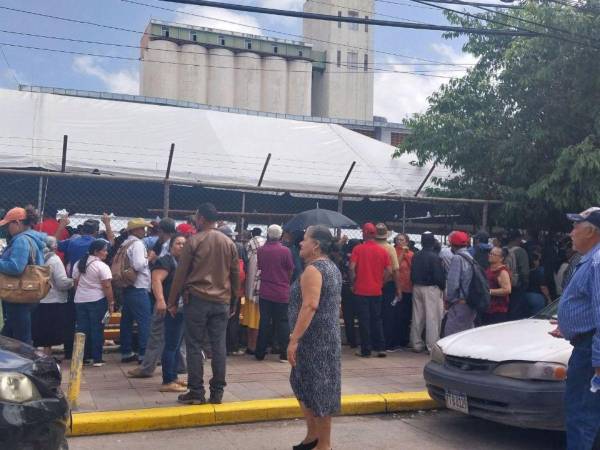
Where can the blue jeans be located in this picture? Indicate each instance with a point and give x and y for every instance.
(89, 321)
(582, 408)
(17, 321)
(136, 307)
(173, 338)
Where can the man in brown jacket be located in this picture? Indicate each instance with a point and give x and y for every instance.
(207, 280)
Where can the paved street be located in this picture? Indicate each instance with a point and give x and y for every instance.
(443, 430)
(107, 388)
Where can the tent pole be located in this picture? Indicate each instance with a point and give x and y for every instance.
(63, 165)
(167, 185)
(484, 216)
(40, 191)
(242, 224)
(262, 175)
(403, 217)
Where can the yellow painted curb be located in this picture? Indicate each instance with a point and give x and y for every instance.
(129, 421)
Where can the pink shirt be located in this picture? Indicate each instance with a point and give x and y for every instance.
(276, 266)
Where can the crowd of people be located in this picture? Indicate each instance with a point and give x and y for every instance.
(191, 289)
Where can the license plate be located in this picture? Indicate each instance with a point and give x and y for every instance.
(457, 401)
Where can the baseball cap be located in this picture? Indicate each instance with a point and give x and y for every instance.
(591, 215)
(227, 231)
(274, 231)
(186, 228)
(369, 230)
(458, 239)
(136, 223)
(12, 215)
(382, 231)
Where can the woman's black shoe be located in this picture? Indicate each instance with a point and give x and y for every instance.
(308, 446)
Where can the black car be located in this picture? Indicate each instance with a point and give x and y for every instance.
(33, 409)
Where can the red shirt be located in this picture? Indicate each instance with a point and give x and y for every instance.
(371, 261)
(498, 303)
(49, 226)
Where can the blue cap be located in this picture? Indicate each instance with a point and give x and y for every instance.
(591, 215)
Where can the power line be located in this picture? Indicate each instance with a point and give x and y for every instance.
(467, 3)
(357, 20)
(111, 27)
(10, 69)
(382, 52)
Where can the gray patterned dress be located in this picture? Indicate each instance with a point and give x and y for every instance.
(317, 380)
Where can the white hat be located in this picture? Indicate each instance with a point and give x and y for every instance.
(274, 232)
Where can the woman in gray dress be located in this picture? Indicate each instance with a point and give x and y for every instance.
(314, 351)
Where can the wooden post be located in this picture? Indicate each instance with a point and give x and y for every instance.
(75, 371)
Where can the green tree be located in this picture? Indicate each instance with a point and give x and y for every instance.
(523, 125)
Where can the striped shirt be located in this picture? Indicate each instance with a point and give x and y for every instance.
(579, 307)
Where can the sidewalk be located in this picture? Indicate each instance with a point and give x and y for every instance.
(107, 388)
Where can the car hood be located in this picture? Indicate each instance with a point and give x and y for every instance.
(521, 340)
(15, 356)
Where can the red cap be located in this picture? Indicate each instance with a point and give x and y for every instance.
(458, 239)
(369, 230)
(12, 215)
(186, 228)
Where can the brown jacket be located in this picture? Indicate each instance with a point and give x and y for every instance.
(208, 268)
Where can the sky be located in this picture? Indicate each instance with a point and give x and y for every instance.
(397, 96)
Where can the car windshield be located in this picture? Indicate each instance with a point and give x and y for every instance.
(549, 312)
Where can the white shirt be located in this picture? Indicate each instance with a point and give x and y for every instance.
(138, 258)
(59, 281)
(89, 286)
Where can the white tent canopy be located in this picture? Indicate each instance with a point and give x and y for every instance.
(125, 138)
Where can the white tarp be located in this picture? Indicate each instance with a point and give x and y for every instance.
(126, 138)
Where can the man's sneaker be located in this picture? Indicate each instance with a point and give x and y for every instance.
(189, 398)
(216, 398)
(88, 362)
(172, 387)
(130, 358)
(137, 373)
(363, 355)
(381, 354)
(98, 363)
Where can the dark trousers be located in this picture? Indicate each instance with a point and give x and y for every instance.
(404, 311)
(272, 314)
(582, 407)
(170, 354)
(349, 314)
(70, 319)
(489, 319)
(370, 324)
(17, 321)
(390, 316)
(233, 330)
(200, 316)
(89, 322)
(518, 306)
(136, 307)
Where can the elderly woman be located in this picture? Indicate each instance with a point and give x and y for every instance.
(498, 276)
(49, 318)
(314, 350)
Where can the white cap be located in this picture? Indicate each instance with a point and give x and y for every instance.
(274, 232)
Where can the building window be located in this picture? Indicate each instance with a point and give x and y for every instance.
(300, 53)
(366, 25)
(352, 61)
(275, 49)
(164, 31)
(248, 44)
(366, 63)
(339, 23)
(353, 26)
(193, 36)
(222, 40)
(339, 58)
(396, 139)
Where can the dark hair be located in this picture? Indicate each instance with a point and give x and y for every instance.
(404, 235)
(327, 243)
(167, 225)
(256, 232)
(174, 238)
(95, 246)
(32, 216)
(208, 211)
(90, 226)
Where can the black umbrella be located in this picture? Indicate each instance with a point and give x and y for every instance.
(331, 219)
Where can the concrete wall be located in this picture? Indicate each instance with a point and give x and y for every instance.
(221, 79)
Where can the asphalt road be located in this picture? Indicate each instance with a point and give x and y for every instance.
(423, 431)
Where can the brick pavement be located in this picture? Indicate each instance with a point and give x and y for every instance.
(107, 388)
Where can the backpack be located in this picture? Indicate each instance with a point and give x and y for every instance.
(478, 297)
(123, 274)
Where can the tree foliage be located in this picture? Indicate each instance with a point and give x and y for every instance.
(524, 124)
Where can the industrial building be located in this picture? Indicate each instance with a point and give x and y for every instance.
(327, 75)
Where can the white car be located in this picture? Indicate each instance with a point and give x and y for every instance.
(512, 372)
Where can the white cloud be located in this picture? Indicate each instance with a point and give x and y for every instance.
(228, 20)
(7, 78)
(398, 96)
(124, 81)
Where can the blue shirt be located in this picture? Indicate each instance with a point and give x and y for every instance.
(579, 307)
(75, 249)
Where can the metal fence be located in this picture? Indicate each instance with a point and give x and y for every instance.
(85, 195)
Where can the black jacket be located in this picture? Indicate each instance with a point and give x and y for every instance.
(427, 269)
